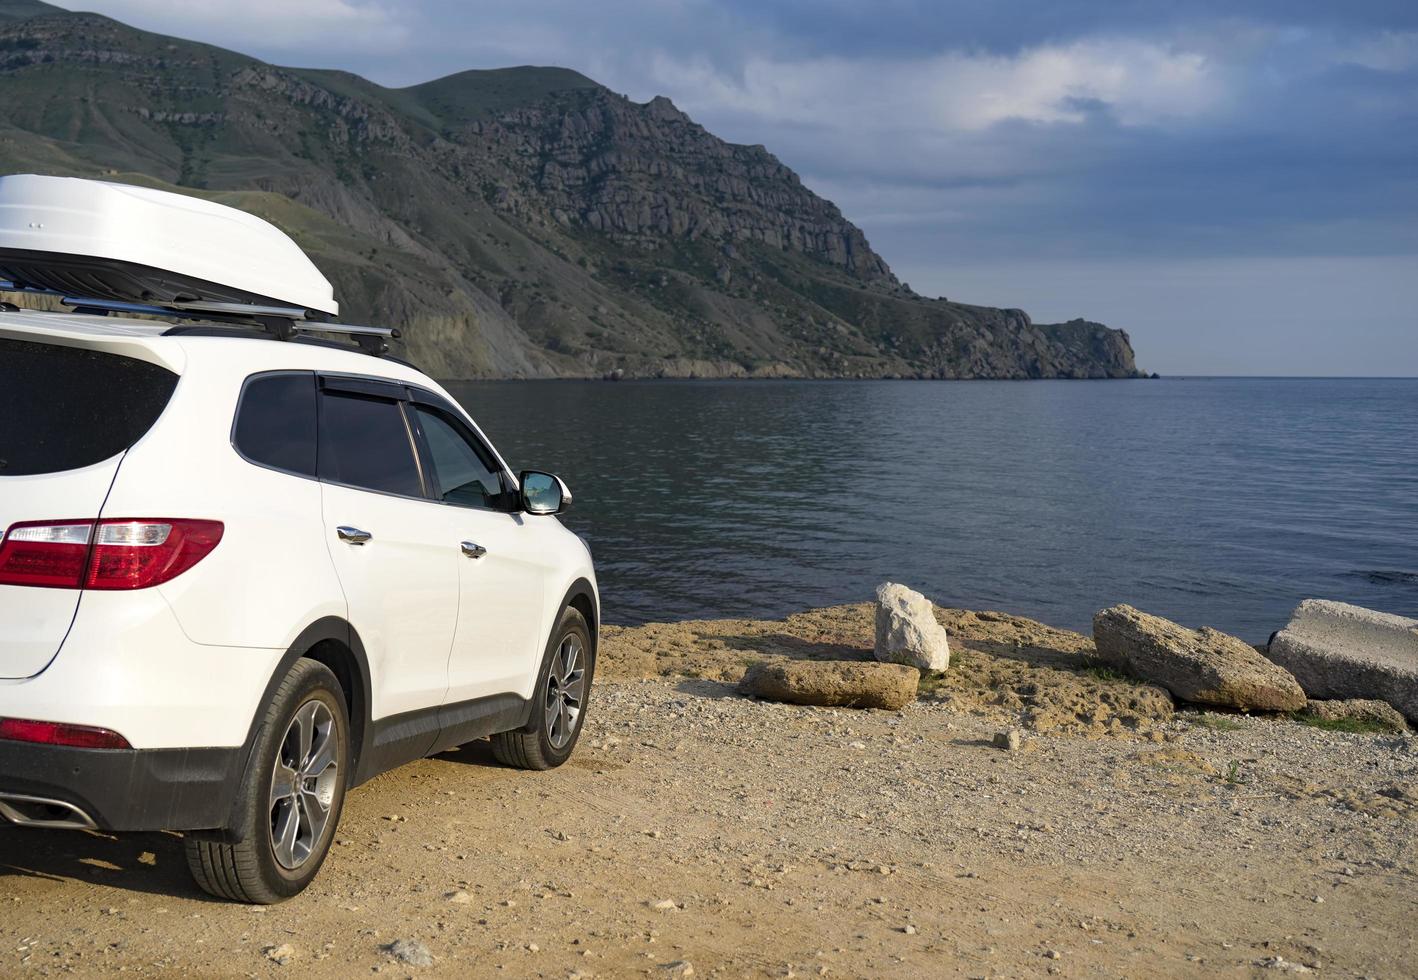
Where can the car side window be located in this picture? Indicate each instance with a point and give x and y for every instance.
(465, 474)
(275, 422)
(365, 443)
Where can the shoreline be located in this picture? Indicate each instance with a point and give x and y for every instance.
(780, 377)
(1009, 669)
(839, 378)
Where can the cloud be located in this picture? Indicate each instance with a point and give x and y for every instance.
(274, 25)
(1136, 81)
(1387, 51)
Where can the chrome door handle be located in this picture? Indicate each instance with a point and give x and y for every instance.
(353, 535)
(473, 550)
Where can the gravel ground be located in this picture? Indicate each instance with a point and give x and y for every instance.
(699, 833)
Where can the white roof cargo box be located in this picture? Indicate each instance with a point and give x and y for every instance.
(103, 241)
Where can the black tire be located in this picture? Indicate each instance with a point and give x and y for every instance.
(250, 870)
(536, 745)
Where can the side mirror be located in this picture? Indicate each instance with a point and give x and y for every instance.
(543, 493)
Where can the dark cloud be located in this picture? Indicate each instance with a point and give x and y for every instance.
(897, 26)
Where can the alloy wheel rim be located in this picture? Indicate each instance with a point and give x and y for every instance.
(303, 784)
(566, 692)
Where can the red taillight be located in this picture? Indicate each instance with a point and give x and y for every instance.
(57, 733)
(136, 554)
(53, 554)
(131, 553)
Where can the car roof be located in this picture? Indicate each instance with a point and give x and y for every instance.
(156, 341)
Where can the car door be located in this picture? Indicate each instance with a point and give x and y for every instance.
(395, 550)
(502, 572)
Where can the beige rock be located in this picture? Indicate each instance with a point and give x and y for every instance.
(1009, 741)
(1380, 714)
(846, 684)
(1202, 666)
(280, 955)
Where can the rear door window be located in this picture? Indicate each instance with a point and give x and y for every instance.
(275, 422)
(63, 408)
(365, 443)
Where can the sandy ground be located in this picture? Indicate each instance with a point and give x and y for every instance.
(696, 830)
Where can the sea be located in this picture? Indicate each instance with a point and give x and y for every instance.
(1210, 501)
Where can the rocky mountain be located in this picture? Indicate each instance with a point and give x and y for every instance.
(523, 222)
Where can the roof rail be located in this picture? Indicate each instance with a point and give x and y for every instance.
(280, 322)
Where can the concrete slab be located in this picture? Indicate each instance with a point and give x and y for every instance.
(1336, 650)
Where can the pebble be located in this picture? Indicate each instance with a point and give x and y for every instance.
(280, 955)
(409, 951)
(1009, 741)
(1281, 963)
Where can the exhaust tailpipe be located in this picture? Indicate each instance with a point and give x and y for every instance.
(37, 811)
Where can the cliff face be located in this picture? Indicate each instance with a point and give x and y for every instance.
(645, 174)
(523, 222)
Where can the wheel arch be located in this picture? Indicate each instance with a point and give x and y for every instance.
(582, 597)
(331, 641)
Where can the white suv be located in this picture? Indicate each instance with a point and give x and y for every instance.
(239, 576)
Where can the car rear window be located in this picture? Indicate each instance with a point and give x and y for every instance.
(275, 422)
(62, 408)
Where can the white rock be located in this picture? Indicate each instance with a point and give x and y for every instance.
(907, 631)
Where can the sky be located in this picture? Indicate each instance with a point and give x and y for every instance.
(1233, 183)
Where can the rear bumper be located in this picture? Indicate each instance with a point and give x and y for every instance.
(127, 789)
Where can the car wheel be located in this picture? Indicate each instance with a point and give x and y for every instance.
(558, 703)
(291, 797)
